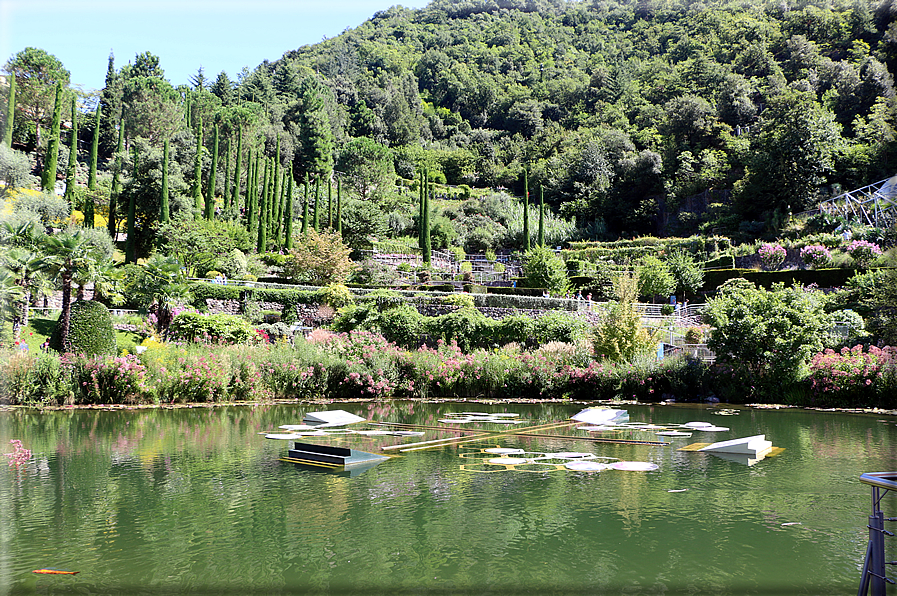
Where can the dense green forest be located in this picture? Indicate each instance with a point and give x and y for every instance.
(631, 117)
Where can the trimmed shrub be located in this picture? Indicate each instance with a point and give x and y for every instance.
(559, 326)
(191, 326)
(90, 330)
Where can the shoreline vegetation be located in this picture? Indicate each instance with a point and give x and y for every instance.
(332, 366)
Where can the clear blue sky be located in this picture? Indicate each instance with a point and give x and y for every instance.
(186, 34)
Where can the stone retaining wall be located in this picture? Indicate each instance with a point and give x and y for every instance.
(313, 311)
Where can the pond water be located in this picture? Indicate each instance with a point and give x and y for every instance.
(196, 501)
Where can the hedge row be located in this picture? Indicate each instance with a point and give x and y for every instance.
(623, 250)
(824, 278)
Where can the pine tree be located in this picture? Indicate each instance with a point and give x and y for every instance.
(73, 157)
(131, 244)
(541, 216)
(10, 112)
(164, 215)
(48, 176)
(197, 174)
(235, 198)
(526, 245)
(94, 150)
(116, 181)
(305, 210)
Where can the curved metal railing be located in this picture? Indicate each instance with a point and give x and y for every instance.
(874, 567)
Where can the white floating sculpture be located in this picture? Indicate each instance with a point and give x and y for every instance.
(331, 418)
(752, 446)
(602, 416)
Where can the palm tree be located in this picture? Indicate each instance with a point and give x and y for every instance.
(10, 294)
(25, 268)
(164, 287)
(69, 255)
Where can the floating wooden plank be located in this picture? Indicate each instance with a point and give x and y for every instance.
(694, 447)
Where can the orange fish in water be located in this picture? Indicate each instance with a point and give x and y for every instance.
(54, 572)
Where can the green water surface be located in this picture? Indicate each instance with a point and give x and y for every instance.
(196, 501)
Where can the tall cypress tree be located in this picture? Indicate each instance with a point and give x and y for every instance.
(339, 206)
(305, 210)
(73, 158)
(116, 181)
(226, 184)
(235, 198)
(541, 216)
(288, 211)
(420, 211)
(94, 150)
(262, 240)
(10, 112)
(316, 218)
(48, 175)
(428, 246)
(164, 215)
(250, 206)
(276, 186)
(269, 197)
(329, 204)
(197, 174)
(210, 191)
(278, 214)
(131, 244)
(526, 245)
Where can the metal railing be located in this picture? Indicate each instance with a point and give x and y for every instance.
(874, 567)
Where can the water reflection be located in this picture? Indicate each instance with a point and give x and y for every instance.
(197, 501)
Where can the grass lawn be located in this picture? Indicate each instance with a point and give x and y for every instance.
(40, 328)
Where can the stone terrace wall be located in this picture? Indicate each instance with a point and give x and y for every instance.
(311, 311)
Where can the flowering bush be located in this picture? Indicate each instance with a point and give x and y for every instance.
(772, 255)
(107, 379)
(815, 256)
(188, 374)
(854, 377)
(863, 251)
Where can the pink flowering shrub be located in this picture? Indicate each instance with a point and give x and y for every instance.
(19, 456)
(772, 255)
(107, 379)
(863, 252)
(190, 374)
(365, 365)
(816, 256)
(854, 376)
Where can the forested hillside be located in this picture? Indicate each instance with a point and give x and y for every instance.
(633, 117)
(622, 110)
